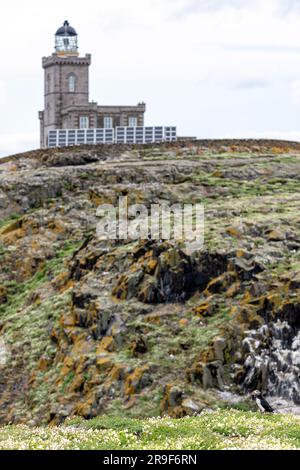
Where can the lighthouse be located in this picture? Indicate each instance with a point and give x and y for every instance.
(66, 93)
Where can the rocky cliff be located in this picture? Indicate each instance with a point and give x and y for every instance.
(144, 328)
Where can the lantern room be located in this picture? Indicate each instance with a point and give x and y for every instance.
(66, 40)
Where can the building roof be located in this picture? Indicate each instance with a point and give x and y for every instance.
(66, 30)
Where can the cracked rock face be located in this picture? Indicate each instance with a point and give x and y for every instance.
(273, 360)
(145, 327)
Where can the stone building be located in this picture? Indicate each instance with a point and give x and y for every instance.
(67, 104)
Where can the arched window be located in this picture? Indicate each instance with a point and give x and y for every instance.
(72, 83)
(48, 83)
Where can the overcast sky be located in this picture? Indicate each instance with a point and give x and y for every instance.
(214, 68)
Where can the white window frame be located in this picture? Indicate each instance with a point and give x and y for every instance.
(108, 122)
(84, 122)
(132, 121)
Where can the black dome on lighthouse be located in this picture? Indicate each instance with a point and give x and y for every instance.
(66, 30)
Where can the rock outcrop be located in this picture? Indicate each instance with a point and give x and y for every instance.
(146, 327)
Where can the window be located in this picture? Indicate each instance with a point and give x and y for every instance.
(48, 112)
(84, 122)
(72, 83)
(132, 122)
(108, 122)
(48, 83)
(66, 43)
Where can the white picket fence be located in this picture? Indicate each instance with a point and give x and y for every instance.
(119, 135)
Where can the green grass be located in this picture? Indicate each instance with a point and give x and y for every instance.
(172, 347)
(146, 405)
(19, 292)
(223, 429)
(242, 186)
(28, 319)
(9, 220)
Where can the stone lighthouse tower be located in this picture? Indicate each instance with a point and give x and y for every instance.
(66, 83)
(66, 96)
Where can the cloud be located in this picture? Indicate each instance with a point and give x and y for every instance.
(278, 7)
(190, 7)
(251, 84)
(3, 94)
(15, 143)
(295, 92)
(263, 48)
(286, 7)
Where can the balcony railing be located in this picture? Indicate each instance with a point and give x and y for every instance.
(119, 135)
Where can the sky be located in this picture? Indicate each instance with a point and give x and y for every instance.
(213, 68)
